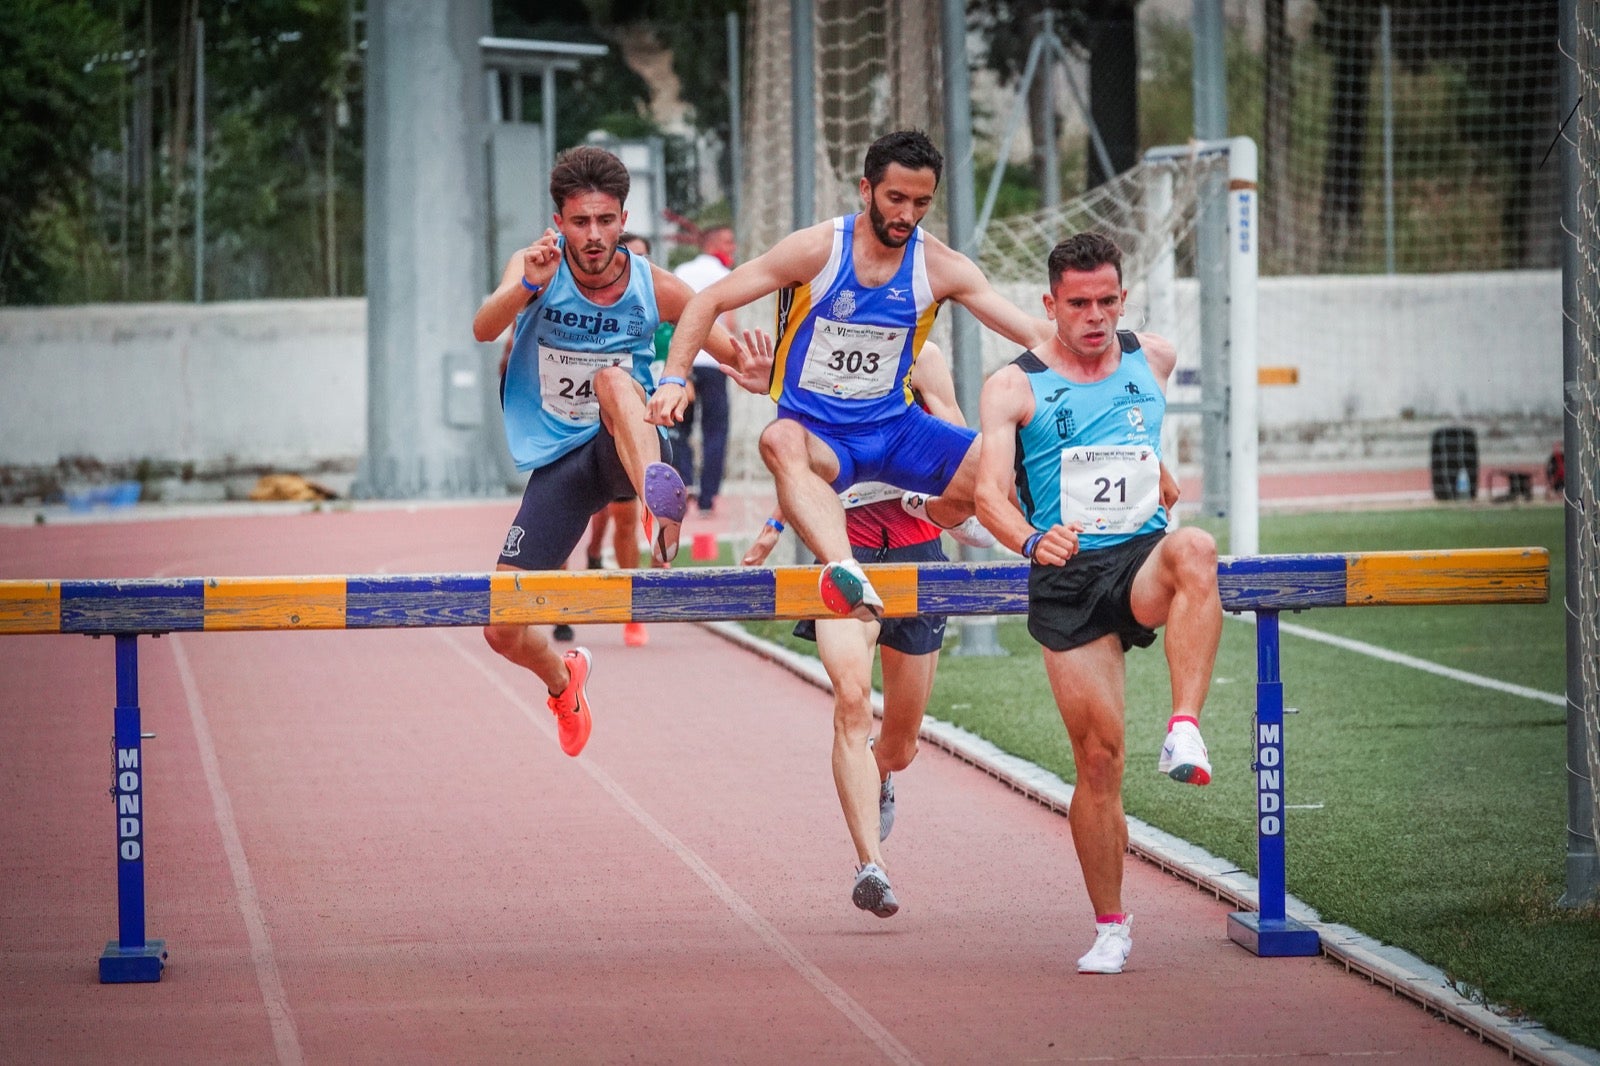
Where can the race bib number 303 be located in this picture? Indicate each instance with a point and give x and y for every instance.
(1110, 489)
(566, 382)
(852, 362)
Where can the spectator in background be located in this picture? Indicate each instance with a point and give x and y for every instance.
(710, 399)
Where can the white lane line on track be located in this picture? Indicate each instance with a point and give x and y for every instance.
(1363, 648)
(539, 717)
(284, 1036)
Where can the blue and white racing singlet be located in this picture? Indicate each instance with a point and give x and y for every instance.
(561, 341)
(1092, 453)
(844, 350)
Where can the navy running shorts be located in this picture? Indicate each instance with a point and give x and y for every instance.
(559, 500)
(921, 634)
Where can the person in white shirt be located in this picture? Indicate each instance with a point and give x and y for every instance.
(714, 262)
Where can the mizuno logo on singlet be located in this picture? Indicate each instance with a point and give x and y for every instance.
(592, 323)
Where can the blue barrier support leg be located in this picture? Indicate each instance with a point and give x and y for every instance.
(130, 957)
(1270, 931)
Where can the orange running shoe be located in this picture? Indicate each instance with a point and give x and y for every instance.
(635, 635)
(571, 708)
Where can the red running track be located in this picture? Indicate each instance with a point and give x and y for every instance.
(367, 847)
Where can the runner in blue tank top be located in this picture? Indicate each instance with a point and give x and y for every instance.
(857, 297)
(1072, 429)
(574, 392)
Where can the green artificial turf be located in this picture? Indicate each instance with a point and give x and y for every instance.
(1427, 812)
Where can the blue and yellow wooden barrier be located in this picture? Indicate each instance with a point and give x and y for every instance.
(1265, 584)
(178, 605)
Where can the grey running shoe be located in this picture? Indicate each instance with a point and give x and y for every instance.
(872, 891)
(886, 807)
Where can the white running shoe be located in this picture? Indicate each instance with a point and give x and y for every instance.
(847, 592)
(1113, 942)
(872, 891)
(1183, 756)
(886, 807)
(972, 534)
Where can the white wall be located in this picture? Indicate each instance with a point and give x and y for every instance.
(269, 382)
(283, 383)
(1375, 347)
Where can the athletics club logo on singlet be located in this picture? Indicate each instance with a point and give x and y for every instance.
(844, 304)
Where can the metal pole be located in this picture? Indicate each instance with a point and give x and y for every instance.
(1583, 865)
(1244, 242)
(979, 636)
(1211, 124)
(1386, 45)
(199, 160)
(1017, 110)
(130, 957)
(1051, 197)
(1270, 931)
(547, 111)
(735, 119)
(803, 104)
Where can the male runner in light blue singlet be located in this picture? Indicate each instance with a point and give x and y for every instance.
(574, 393)
(1073, 429)
(857, 296)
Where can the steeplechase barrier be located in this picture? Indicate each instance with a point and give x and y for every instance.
(1265, 585)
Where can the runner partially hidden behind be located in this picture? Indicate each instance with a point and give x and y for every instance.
(1073, 429)
(574, 398)
(880, 531)
(858, 296)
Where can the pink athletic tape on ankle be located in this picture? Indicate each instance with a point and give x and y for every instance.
(1109, 919)
(1175, 719)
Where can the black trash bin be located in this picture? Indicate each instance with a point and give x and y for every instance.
(1454, 463)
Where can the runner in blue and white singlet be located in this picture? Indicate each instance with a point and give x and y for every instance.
(561, 340)
(1070, 477)
(1091, 452)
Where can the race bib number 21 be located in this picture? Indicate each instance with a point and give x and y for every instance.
(1110, 489)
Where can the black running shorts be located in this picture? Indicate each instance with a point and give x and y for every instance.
(1080, 602)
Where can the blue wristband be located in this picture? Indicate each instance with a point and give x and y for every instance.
(533, 290)
(674, 380)
(1029, 545)
(775, 524)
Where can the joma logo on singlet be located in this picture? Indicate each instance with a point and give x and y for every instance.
(592, 323)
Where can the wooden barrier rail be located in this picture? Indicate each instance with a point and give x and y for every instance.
(1254, 583)
(1267, 584)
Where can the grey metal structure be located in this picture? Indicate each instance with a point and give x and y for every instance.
(1211, 240)
(803, 98)
(424, 259)
(199, 160)
(979, 636)
(1583, 865)
(456, 181)
(735, 114)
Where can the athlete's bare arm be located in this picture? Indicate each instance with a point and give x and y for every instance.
(536, 263)
(930, 376)
(1161, 355)
(795, 259)
(1006, 405)
(955, 277)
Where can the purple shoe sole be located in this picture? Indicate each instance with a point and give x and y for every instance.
(668, 501)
